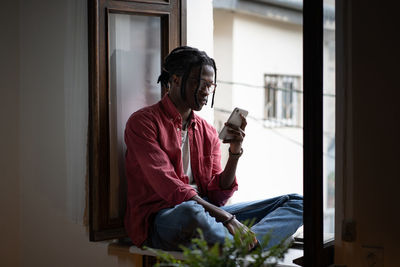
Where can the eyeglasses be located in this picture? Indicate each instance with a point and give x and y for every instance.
(206, 85)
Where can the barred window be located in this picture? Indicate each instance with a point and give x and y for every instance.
(283, 100)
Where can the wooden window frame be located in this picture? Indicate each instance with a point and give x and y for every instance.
(316, 252)
(172, 14)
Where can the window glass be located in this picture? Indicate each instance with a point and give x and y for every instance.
(134, 58)
(329, 98)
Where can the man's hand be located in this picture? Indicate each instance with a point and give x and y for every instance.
(238, 135)
(228, 175)
(234, 225)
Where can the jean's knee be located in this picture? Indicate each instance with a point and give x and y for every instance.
(295, 201)
(295, 197)
(191, 213)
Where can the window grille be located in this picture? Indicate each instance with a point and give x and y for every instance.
(283, 100)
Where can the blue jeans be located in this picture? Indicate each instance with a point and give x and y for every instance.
(280, 217)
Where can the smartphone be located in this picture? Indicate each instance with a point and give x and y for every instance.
(234, 119)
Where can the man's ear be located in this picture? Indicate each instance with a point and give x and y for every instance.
(175, 80)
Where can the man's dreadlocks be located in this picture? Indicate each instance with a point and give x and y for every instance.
(180, 62)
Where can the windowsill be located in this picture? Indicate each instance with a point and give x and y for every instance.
(290, 256)
(117, 247)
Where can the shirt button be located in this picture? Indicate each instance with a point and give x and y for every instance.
(177, 129)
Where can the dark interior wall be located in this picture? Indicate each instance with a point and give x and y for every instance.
(9, 118)
(43, 104)
(373, 48)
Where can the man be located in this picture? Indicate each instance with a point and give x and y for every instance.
(175, 180)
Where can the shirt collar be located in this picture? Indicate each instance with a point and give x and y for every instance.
(173, 113)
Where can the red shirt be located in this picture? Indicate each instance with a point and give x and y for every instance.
(154, 171)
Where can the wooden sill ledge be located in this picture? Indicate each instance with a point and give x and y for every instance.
(118, 247)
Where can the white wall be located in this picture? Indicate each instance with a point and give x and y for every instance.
(246, 48)
(9, 142)
(223, 53)
(263, 46)
(200, 35)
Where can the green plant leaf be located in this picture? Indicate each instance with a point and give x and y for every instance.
(233, 253)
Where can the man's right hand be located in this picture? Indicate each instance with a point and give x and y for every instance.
(221, 216)
(234, 225)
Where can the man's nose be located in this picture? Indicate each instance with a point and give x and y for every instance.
(205, 90)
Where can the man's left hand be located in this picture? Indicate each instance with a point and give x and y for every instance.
(237, 134)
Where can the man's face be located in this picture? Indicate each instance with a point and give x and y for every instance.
(197, 91)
